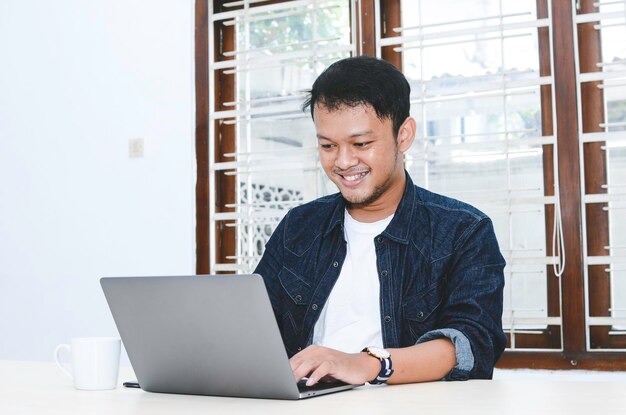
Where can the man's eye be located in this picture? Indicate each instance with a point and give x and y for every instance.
(326, 146)
(362, 144)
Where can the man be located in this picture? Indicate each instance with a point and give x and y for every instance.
(383, 281)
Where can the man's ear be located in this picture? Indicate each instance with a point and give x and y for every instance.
(406, 134)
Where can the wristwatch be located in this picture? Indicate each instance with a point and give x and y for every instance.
(385, 364)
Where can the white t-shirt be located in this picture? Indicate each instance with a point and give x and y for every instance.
(350, 319)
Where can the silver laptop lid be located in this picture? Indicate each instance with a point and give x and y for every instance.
(205, 335)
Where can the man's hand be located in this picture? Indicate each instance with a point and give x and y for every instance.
(319, 362)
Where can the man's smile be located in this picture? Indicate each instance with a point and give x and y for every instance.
(352, 179)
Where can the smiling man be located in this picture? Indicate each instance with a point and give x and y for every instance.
(383, 282)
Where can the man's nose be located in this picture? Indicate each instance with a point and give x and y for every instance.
(346, 158)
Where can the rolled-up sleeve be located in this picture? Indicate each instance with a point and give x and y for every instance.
(471, 314)
(463, 351)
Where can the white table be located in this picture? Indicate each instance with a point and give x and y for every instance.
(40, 388)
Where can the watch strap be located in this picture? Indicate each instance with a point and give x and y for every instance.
(386, 369)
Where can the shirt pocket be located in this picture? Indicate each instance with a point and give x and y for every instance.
(294, 297)
(297, 291)
(420, 311)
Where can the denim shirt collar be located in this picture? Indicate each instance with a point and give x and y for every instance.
(398, 229)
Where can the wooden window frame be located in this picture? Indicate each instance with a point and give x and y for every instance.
(574, 354)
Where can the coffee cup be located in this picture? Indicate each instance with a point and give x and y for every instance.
(95, 362)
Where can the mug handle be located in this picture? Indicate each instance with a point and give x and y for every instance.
(58, 362)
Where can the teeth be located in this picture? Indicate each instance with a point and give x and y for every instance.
(354, 177)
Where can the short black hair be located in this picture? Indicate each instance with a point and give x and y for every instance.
(363, 80)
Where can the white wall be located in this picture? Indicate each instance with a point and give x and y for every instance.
(78, 79)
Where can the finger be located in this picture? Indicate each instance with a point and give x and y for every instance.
(297, 359)
(328, 379)
(294, 362)
(303, 355)
(322, 370)
(302, 370)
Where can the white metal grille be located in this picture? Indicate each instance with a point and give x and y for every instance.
(610, 22)
(280, 50)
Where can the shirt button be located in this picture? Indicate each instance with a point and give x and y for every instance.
(379, 239)
(298, 298)
(387, 319)
(335, 264)
(384, 273)
(314, 306)
(420, 314)
(299, 349)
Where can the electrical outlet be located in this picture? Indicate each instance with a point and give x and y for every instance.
(135, 148)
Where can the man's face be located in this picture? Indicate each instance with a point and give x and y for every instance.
(359, 153)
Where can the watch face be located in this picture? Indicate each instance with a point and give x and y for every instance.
(378, 352)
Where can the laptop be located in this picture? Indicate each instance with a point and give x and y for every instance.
(205, 335)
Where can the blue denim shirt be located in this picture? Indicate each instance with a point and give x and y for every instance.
(439, 266)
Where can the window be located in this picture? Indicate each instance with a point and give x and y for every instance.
(493, 110)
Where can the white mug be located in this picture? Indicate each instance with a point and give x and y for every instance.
(95, 362)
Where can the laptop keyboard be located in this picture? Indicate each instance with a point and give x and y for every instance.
(319, 386)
